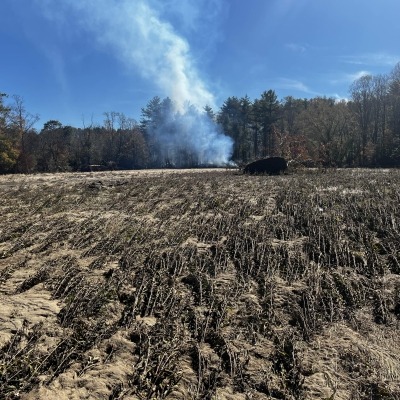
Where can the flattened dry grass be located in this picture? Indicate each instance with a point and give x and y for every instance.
(200, 285)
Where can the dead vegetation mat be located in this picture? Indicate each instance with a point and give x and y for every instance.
(200, 285)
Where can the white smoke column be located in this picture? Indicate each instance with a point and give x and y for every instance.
(193, 133)
(135, 32)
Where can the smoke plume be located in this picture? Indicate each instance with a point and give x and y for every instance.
(136, 33)
(183, 139)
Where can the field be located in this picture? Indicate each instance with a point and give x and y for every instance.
(202, 284)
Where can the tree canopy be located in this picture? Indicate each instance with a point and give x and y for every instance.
(361, 131)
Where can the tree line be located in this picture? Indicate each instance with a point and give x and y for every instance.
(363, 131)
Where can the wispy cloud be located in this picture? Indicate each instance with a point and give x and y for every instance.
(343, 78)
(356, 75)
(284, 83)
(338, 98)
(295, 47)
(58, 65)
(372, 59)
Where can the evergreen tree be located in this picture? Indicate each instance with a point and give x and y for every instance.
(267, 114)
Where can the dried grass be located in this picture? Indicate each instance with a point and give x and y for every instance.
(200, 285)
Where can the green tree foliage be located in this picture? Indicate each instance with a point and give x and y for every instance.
(210, 112)
(231, 119)
(267, 113)
(153, 117)
(364, 131)
(249, 124)
(8, 155)
(8, 152)
(4, 111)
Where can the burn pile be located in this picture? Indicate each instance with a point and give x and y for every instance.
(270, 166)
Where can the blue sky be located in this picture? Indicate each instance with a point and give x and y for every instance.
(72, 60)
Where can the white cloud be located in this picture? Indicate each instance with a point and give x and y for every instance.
(338, 98)
(297, 48)
(372, 59)
(285, 83)
(348, 77)
(357, 75)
